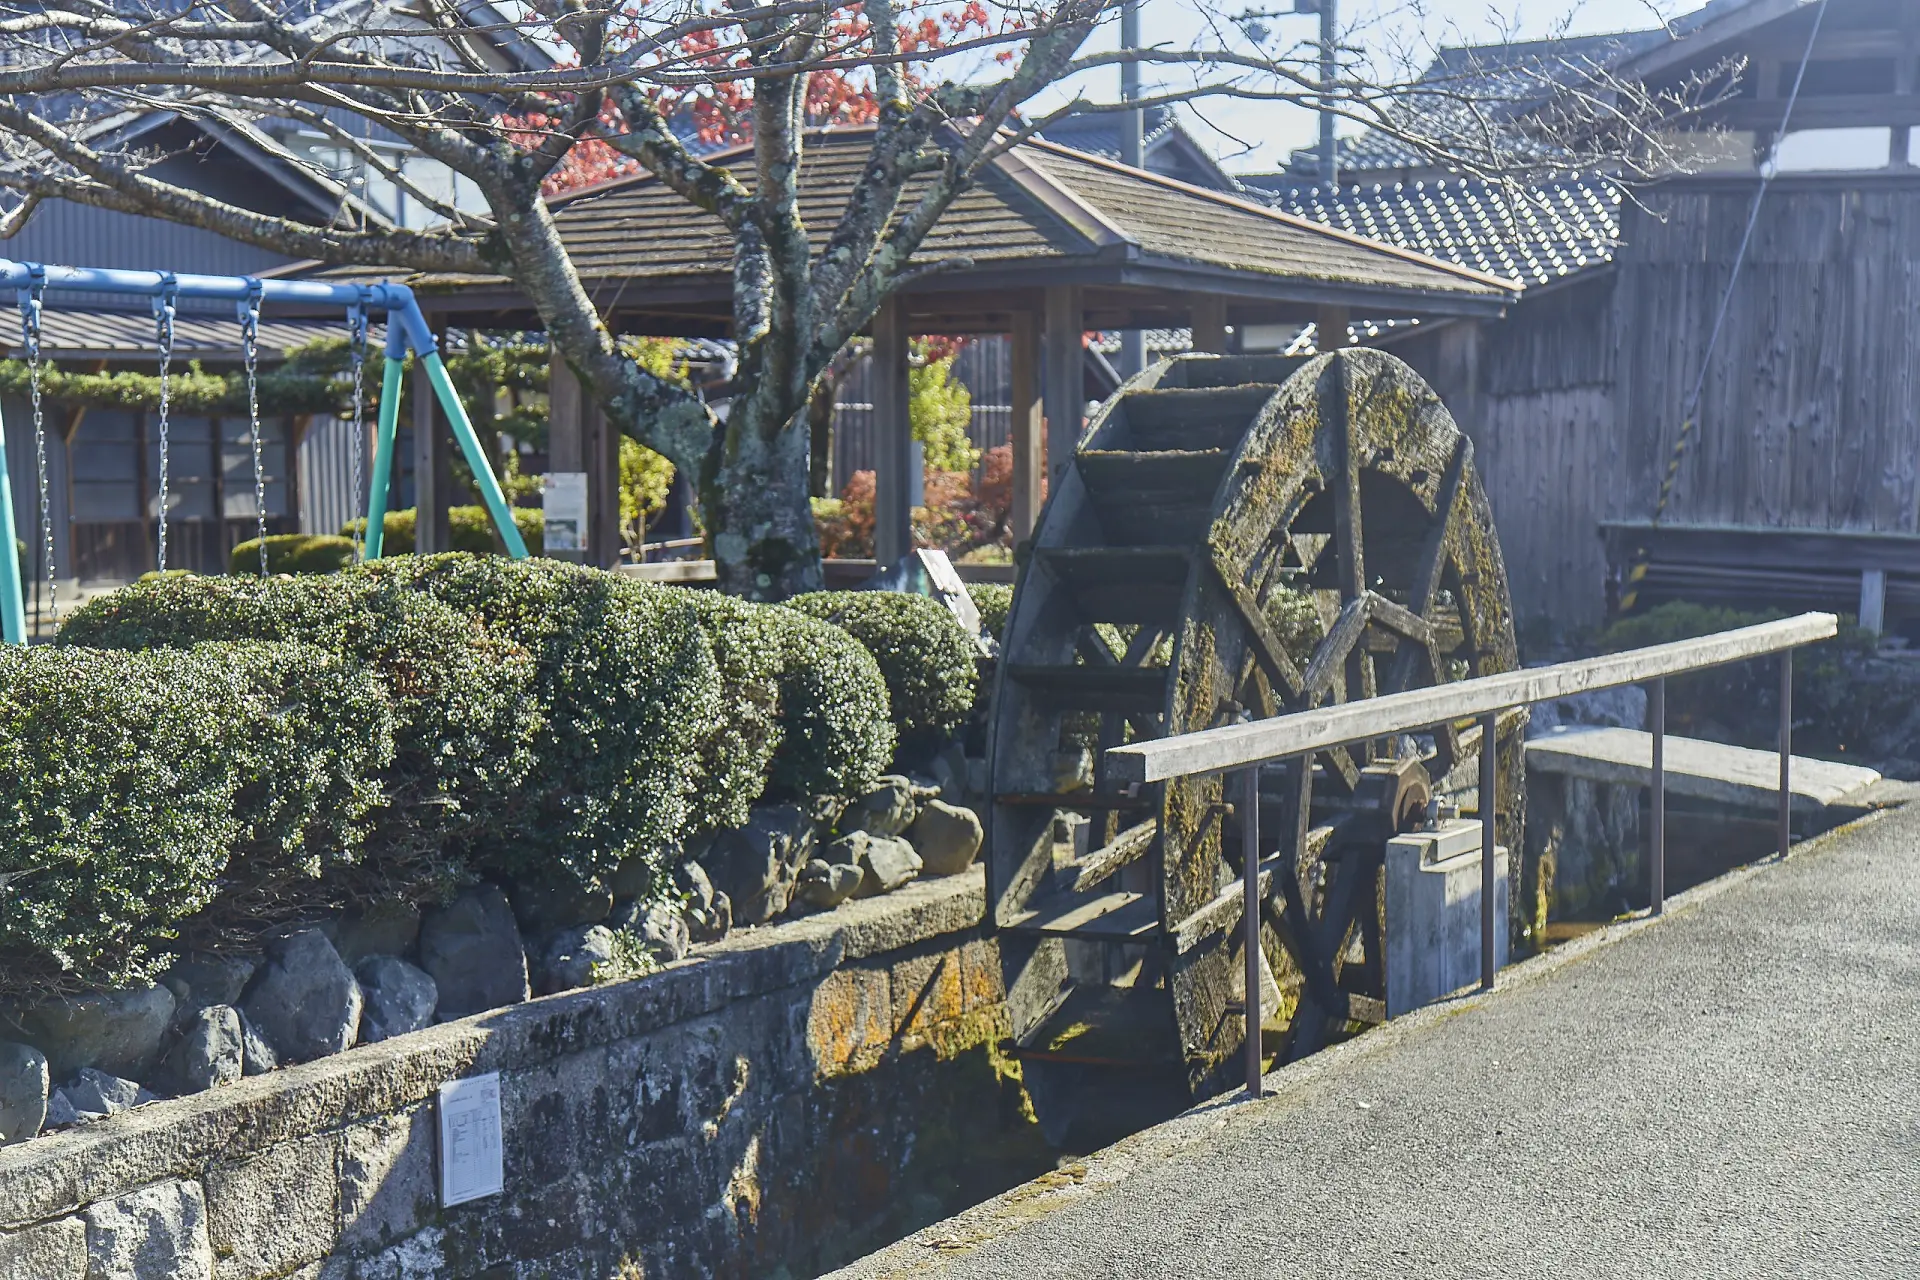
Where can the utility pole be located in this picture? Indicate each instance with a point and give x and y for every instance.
(1133, 127)
(1329, 11)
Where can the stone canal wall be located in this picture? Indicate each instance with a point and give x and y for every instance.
(772, 1106)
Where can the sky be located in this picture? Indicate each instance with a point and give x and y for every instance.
(1254, 136)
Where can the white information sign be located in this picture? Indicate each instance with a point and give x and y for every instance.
(563, 498)
(471, 1163)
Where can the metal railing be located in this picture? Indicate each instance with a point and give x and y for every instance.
(1245, 747)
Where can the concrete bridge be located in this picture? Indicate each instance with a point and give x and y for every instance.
(1728, 1090)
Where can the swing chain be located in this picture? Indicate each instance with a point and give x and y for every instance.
(163, 312)
(357, 344)
(30, 308)
(250, 347)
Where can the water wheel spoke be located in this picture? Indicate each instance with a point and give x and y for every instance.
(1267, 646)
(1330, 655)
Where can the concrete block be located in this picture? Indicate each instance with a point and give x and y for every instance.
(387, 1187)
(276, 1211)
(50, 1251)
(156, 1231)
(850, 1024)
(1433, 914)
(927, 990)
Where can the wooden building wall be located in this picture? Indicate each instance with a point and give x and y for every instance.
(1810, 417)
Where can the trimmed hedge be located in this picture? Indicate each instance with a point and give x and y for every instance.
(463, 697)
(129, 784)
(293, 553)
(628, 691)
(927, 658)
(468, 529)
(804, 709)
(994, 600)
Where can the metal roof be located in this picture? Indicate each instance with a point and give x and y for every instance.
(1551, 231)
(119, 335)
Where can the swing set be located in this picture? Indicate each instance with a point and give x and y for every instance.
(31, 282)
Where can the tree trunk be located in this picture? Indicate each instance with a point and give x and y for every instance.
(754, 498)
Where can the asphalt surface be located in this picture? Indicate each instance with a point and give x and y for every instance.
(1733, 1090)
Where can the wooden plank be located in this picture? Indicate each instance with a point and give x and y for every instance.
(1340, 639)
(1737, 776)
(1267, 646)
(1117, 916)
(670, 571)
(1115, 854)
(1236, 745)
(1222, 912)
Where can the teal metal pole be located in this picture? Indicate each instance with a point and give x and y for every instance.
(476, 457)
(383, 454)
(13, 607)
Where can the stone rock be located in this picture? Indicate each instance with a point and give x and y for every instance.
(208, 1053)
(574, 958)
(256, 1055)
(828, 884)
(472, 951)
(398, 998)
(95, 1094)
(633, 878)
(691, 879)
(24, 1089)
(713, 922)
(885, 809)
(60, 1112)
(156, 1231)
(383, 929)
(201, 980)
(558, 901)
(1620, 708)
(117, 1031)
(946, 837)
(1073, 769)
(755, 865)
(51, 1251)
(977, 775)
(304, 1001)
(664, 933)
(886, 862)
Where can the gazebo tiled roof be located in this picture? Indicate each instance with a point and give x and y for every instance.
(1041, 214)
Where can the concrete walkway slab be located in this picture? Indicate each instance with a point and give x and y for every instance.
(1728, 1091)
(1737, 776)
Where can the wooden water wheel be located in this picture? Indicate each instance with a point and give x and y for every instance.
(1237, 537)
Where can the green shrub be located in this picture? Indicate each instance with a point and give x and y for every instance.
(293, 553)
(927, 658)
(804, 709)
(463, 700)
(628, 691)
(468, 529)
(994, 600)
(132, 783)
(1843, 699)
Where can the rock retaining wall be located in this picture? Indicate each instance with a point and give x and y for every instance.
(773, 1106)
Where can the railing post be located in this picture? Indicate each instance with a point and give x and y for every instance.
(1489, 770)
(1786, 750)
(1250, 916)
(1657, 842)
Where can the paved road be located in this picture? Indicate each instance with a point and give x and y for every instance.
(1731, 1091)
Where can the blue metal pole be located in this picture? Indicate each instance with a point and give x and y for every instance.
(383, 453)
(13, 607)
(476, 457)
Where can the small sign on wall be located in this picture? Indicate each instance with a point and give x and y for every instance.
(563, 499)
(471, 1162)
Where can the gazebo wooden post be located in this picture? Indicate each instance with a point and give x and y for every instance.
(1209, 322)
(566, 431)
(1066, 396)
(604, 543)
(1029, 439)
(892, 437)
(1330, 328)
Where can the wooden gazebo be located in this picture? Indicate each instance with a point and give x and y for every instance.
(1054, 243)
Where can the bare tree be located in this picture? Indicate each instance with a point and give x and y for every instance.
(945, 90)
